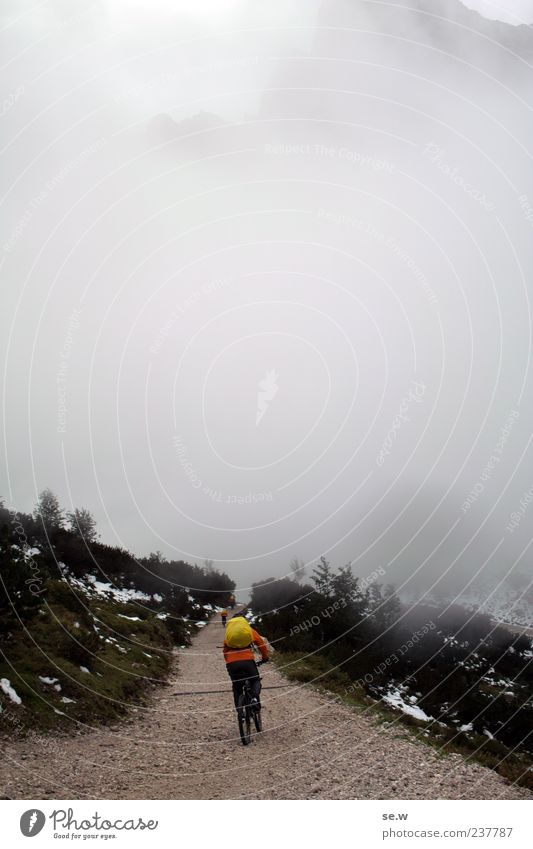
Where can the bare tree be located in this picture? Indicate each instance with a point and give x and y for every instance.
(297, 568)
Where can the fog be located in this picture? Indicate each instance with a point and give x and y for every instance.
(267, 277)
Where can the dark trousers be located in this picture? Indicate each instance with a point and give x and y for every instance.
(239, 671)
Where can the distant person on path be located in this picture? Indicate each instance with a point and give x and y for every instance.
(224, 617)
(239, 641)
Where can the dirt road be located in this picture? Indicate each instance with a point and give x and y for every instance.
(187, 748)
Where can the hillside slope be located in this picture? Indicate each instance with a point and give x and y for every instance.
(85, 628)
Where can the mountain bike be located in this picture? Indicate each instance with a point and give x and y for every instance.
(248, 710)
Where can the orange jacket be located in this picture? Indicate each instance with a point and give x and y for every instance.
(230, 655)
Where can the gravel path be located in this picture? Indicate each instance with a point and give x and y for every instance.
(187, 748)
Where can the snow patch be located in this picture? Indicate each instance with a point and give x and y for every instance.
(5, 686)
(106, 589)
(396, 700)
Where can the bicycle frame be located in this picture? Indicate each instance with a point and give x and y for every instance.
(246, 711)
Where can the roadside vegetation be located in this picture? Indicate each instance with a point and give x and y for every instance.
(458, 681)
(86, 629)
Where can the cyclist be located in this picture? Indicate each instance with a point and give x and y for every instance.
(224, 617)
(241, 664)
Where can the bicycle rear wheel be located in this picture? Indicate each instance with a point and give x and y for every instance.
(244, 720)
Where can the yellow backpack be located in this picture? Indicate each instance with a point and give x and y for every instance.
(238, 633)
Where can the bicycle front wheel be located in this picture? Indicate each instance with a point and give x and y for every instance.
(243, 718)
(258, 722)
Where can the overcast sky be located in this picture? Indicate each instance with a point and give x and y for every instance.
(267, 277)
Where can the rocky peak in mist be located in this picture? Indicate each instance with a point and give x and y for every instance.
(418, 50)
(163, 127)
(441, 21)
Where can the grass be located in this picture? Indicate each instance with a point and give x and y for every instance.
(124, 659)
(316, 670)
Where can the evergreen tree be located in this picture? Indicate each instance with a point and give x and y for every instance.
(384, 606)
(48, 512)
(345, 584)
(323, 578)
(83, 523)
(156, 558)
